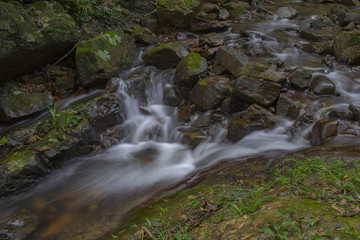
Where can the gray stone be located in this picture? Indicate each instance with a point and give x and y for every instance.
(287, 12)
(322, 85)
(300, 78)
(231, 59)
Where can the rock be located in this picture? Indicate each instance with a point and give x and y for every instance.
(322, 85)
(326, 129)
(304, 46)
(351, 2)
(210, 7)
(20, 104)
(339, 113)
(231, 59)
(186, 111)
(355, 109)
(68, 136)
(192, 137)
(165, 56)
(256, 90)
(235, 8)
(300, 78)
(212, 39)
(29, 40)
(208, 93)
(347, 17)
(252, 119)
(223, 14)
(189, 70)
(323, 22)
(324, 47)
(317, 34)
(285, 106)
(210, 26)
(305, 119)
(142, 35)
(347, 47)
(21, 169)
(171, 96)
(99, 58)
(258, 70)
(287, 12)
(178, 13)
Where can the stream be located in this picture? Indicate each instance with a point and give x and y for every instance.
(89, 195)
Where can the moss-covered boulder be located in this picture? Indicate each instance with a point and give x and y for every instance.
(208, 93)
(99, 58)
(347, 47)
(165, 56)
(19, 104)
(189, 70)
(30, 37)
(178, 13)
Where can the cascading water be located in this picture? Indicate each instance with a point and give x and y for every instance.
(93, 189)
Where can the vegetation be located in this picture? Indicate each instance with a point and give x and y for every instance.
(311, 198)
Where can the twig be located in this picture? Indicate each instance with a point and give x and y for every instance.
(150, 12)
(149, 233)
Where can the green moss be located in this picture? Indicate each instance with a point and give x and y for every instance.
(161, 47)
(3, 140)
(355, 39)
(18, 160)
(193, 61)
(239, 10)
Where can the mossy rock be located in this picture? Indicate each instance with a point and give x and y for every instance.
(20, 104)
(347, 47)
(33, 35)
(99, 58)
(142, 35)
(189, 70)
(165, 56)
(179, 13)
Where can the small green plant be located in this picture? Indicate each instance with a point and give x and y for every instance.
(249, 204)
(3, 140)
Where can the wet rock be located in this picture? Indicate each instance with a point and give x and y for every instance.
(192, 137)
(252, 119)
(203, 120)
(186, 111)
(305, 46)
(235, 8)
(355, 109)
(339, 113)
(256, 90)
(323, 22)
(300, 78)
(20, 104)
(287, 12)
(99, 58)
(329, 61)
(30, 39)
(322, 85)
(171, 96)
(223, 14)
(326, 129)
(347, 17)
(285, 106)
(258, 70)
(189, 70)
(324, 47)
(347, 47)
(305, 119)
(231, 59)
(209, 26)
(317, 34)
(178, 13)
(351, 2)
(165, 56)
(208, 93)
(142, 35)
(232, 104)
(212, 39)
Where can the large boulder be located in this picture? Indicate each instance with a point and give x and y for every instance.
(300, 78)
(189, 70)
(99, 58)
(256, 90)
(177, 12)
(32, 151)
(322, 85)
(20, 104)
(30, 39)
(347, 47)
(231, 59)
(258, 70)
(165, 56)
(208, 93)
(252, 119)
(326, 129)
